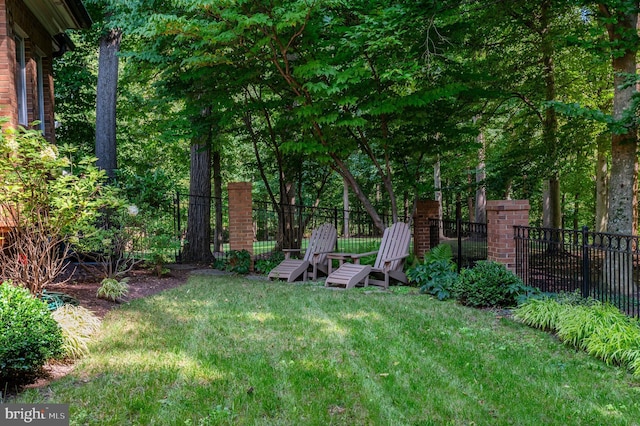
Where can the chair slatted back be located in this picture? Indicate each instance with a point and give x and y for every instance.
(395, 243)
(323, 240)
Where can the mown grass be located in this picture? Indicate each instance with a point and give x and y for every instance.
(225, 350)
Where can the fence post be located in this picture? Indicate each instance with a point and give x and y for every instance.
(240, 217)
(425, 210)
(459, 233)
(178, 225)
(586, 269)
(502, 216)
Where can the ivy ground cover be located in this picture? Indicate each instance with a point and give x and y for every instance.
(231, 350)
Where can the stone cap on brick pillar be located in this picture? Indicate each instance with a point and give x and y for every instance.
(508, 205)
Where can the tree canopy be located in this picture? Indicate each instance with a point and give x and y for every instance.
(303, 96)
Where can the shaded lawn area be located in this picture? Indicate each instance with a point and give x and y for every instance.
(227, 350)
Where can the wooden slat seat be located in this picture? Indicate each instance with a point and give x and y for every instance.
(321, 243)
(394, 249)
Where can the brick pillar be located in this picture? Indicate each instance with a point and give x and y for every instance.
(240, 217)
(502, 216)
(425, 210)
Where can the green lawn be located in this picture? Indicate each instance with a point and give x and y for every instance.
(225, 350)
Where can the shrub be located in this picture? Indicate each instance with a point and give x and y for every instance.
(29, 335)
(78, 324)
(488, 284)
(238, 261)
(48, 201)
(437, 274)
(264, 266)
(112, 289)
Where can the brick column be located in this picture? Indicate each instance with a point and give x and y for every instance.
(425, 210)
(502, 216)
(240, 216)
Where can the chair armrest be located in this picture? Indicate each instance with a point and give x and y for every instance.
(390, 259)
(359, 255)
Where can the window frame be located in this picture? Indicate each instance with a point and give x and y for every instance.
(21, 80)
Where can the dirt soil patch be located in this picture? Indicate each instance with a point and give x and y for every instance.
(142, 283)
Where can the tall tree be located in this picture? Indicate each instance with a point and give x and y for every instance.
(621, 20)
(106, 98)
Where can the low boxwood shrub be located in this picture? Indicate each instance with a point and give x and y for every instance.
(488, 284)
(29, 335)
(437, 274)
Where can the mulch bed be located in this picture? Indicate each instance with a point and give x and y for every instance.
(142, 283)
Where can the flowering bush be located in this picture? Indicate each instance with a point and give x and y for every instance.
(48, 203)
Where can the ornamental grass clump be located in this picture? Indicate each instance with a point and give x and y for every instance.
(541, 313)
(29, 336)
(578, 322)
(600, 329)
(78, 325)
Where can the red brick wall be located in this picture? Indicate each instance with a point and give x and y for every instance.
(425, 210)
(37, 43)
(502, 216)
(240, 216)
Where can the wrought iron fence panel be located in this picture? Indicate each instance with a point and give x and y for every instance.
(602, 266)
(468, 240)
(356, 231)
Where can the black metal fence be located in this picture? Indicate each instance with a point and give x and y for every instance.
(468, 240)
(357, 232)
(603, 266)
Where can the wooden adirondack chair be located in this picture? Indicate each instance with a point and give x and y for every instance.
(394, 249)
(321, 243)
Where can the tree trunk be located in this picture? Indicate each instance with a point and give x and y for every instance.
(289, 233)
(550, 122)
(344, 171)
(602, 183)
(198, 246)
(481, 191)
(437, 184)
(218, 234)
(106, 102)
(624, 146)
(622, 30)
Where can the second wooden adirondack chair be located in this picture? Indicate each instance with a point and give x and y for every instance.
(321, 243)
(394, 249)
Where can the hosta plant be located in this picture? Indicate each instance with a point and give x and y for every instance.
(436, 274)
(113, 289)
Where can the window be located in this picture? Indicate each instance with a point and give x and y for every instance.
(40, 78)
(21, 78)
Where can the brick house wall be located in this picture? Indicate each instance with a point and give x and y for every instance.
(17, 19)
